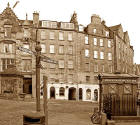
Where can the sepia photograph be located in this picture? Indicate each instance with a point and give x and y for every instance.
(69, 62)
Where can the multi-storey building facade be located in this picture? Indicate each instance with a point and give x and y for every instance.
(82, 53)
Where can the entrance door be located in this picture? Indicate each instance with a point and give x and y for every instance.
(27, 85)
(80, 93)
(72, 93)
(52, 93)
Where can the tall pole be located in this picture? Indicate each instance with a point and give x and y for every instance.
(45, 79)
(38, 65)
(100, 89)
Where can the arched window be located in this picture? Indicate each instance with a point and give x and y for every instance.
(61, 91)
(88, 94)
(95, 95)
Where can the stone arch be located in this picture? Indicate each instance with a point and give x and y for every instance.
(72, 93)
(88, 94)
(62, 91)
(52, 93)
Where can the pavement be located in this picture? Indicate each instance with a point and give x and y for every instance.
(59, 112)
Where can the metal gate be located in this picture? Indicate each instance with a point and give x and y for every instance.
(115, 105)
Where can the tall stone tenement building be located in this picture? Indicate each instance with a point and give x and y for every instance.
(82, 53)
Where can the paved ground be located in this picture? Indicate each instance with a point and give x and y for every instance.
(60, 112)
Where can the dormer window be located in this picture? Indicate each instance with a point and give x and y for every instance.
(107, 33)
(94, 30)
(7, 32)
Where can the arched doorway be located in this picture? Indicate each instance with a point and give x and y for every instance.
(88, 94)
(52, 93)
(80, 94)
(72, 93)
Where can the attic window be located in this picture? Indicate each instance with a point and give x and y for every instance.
(107, 33)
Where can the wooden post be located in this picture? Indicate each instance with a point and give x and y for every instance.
(45, 99)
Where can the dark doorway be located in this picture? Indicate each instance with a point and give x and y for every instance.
(72, 93)
(27, 85)
(80, 93)
(52, 93)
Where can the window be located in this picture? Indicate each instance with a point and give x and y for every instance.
(70, 36)
(7, 63)
(103, 68)
(7, 32)
(101, 42)
(94, 30)
(110, 68)
(87, 78)
(51, 35)
(86, 53)
(109, 43)
(95, 54)
(61, 36)
(87, 67)
(43, 48)
(26, 65)
(45, 24)
(61, 49)
(8, 48)
(107, 33)
(101, 55)
(61, 91)
(88, 94)
(51, 48)
(109, 56)
(95, 41)
(70, 49)
(61, 64)
(95, 68)
(86, 39)
(52, 66)
(70, 78)
(43, 35)
(81, 28)
(70, 64)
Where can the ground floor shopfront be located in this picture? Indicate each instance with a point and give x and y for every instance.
(83, 92)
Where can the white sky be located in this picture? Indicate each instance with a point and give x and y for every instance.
(126, 12)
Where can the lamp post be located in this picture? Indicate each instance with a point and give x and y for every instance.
(96, 118)
(100, 91)
(38, 65)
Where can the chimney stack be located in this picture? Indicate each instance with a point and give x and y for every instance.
(36, 19)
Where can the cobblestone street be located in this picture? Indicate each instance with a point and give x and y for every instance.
(60, 112)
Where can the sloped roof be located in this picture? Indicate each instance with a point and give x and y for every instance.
(116, 27)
